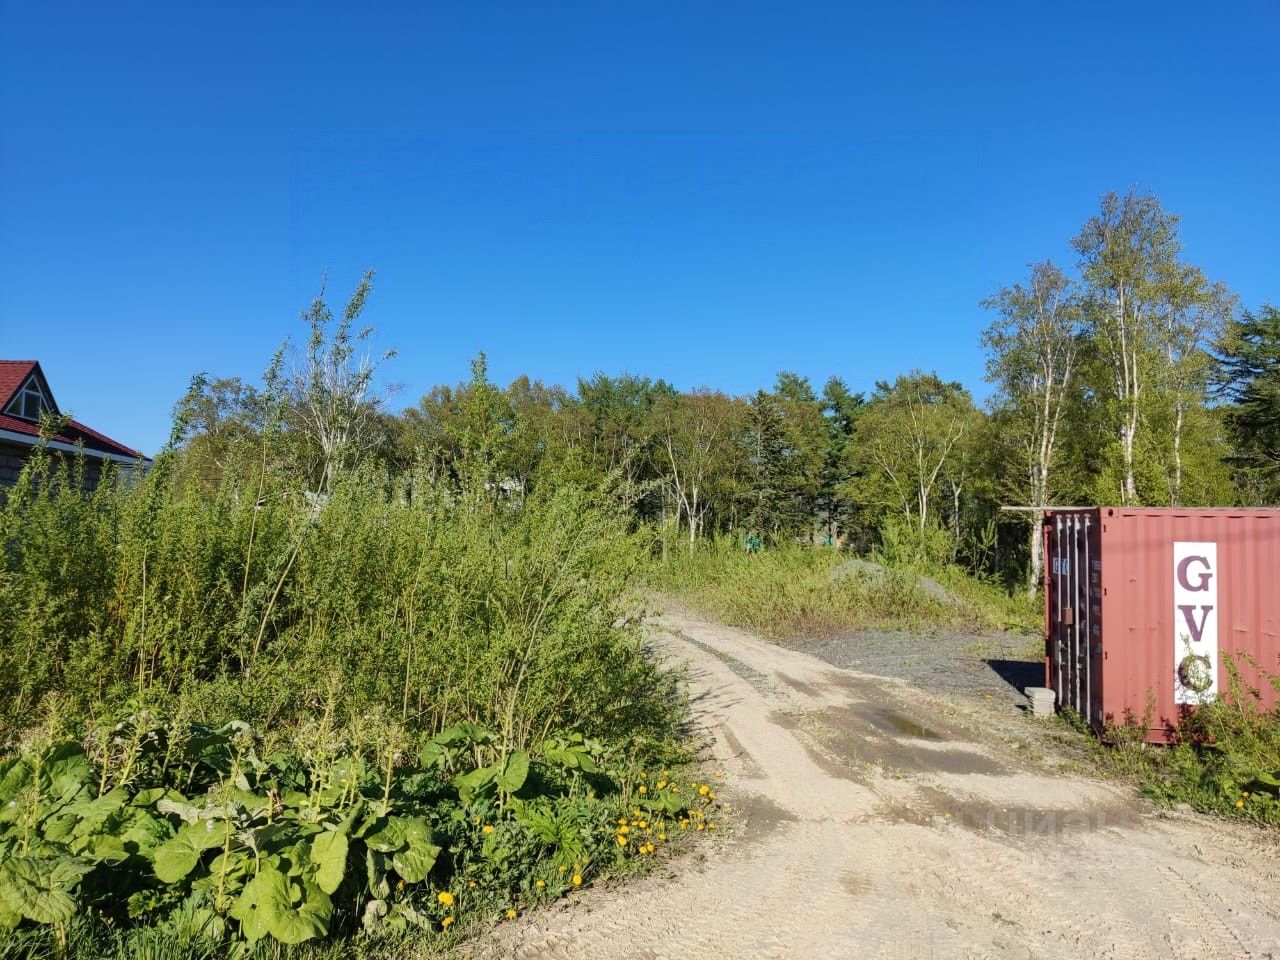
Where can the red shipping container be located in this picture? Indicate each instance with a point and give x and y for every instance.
(1144, 607)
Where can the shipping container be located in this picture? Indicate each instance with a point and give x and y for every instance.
(1145, 610)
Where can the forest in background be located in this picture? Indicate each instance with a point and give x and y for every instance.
(1130, 378)
(329, 673)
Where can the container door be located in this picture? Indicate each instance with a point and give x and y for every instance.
(1071, 612)
(1093, 656)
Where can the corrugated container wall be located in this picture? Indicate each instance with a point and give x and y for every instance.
(1146, 608)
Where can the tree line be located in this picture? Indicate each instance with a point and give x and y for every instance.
(1129, 378)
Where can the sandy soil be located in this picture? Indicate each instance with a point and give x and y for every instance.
(877, 820)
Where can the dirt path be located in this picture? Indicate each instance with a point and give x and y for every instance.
(874, 822)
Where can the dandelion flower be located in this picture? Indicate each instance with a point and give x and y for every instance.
(577, 879)
(1239, 804)
(446, 921)
(701, 826)
(540, 883)
(643, 788)
(562, 868)
(661, 784)
(445, 897)
(487, 828)
(622, 841)
(511, 913)
(662, 837)
(703, 790)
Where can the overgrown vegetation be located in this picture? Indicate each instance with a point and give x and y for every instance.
(1225, 758)
(359, 697)
(797, 591)
(216, 839)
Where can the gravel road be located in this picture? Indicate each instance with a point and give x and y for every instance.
(876, 819)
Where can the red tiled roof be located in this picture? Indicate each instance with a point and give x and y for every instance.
(13, 374)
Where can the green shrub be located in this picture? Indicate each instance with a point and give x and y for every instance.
(1227, 756)
(204, 836)
(412, 595)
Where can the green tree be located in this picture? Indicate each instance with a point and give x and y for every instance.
(1032, 352)
(906, 436)
(1145, 313)
(766, 456)
(1249, 378)
(840, 410)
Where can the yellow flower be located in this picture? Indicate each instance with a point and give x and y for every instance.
(446, 921)
(643, 788)
(511, 913)
(624, 830)
(577, 879)
(661, 784)
(540, 883)
(711, 826)
(703, 790)
(700, 826)
(622, 841)
(662, 837)
(622, 822)
(562, 868)
(488, 828)
(1239, 803)
(445, 897)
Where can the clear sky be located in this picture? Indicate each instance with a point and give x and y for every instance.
(703, 192)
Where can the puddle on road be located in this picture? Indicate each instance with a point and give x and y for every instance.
(861, 735)
(892, 721)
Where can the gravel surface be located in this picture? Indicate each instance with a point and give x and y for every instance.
(952, 662)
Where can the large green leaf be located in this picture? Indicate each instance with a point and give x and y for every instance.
(67, 770)
(329, 855)
(15, 773)
(178, 856)
(40, 890)
(85, 816)
(471, 783)
(513, 771)
(418, 855)
(267, 906)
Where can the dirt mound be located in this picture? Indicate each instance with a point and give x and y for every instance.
(872, 572)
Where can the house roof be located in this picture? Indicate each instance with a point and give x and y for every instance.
(13, 376)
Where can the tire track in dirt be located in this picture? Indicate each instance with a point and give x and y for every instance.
(872, 826)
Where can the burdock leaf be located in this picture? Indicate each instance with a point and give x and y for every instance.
(329, 854)
(40, 890)
(178, 856)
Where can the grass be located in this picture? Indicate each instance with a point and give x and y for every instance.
(797, 591)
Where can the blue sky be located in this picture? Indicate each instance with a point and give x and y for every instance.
(708, 193)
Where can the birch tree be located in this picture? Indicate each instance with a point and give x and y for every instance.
(904, 438)
(697, 434)
(332, 394)
(1128, 256)
(1197, 314)
(1033, 347)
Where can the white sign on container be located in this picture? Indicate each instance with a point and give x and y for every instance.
(1195, 621)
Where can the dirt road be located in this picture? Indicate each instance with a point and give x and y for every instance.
(877, 821)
